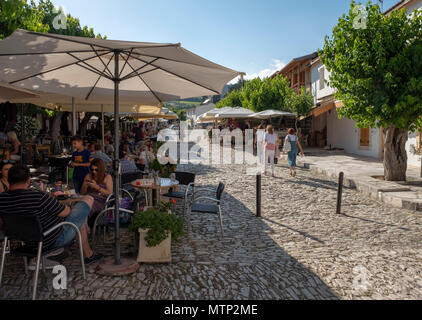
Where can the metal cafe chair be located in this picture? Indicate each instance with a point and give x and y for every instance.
(28, 229)
(195, 206)
(101, 221)
(185, 179)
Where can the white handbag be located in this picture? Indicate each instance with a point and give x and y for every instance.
(287, 146)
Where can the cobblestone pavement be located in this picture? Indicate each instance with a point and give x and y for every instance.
(299, 250)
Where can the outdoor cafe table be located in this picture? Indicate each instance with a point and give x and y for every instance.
(165, 183)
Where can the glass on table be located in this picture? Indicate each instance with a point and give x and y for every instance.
(173, 178)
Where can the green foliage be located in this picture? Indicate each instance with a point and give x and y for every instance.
(16, 14)
(259, 95)
(302, 103)
(181, 114)
(27, 15)
(233, 99)
(156, 165)
(377, 70)
(159, 224)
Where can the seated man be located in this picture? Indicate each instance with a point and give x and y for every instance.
(98, 153)
(22, 201)
(126, 165)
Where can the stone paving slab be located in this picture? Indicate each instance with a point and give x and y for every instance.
(360, 172)
(299, 249)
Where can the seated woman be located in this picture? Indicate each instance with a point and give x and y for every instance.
(99, 185)
(4, 171)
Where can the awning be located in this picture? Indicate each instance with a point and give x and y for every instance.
(327, 107)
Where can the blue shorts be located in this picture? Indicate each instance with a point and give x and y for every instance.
(78, 217)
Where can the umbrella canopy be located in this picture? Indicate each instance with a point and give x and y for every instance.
(210, 115)
(235, 113)
(165, 114)
(97, 70)
(53, 100)
(9, 92)
(85, 68)
(269, 114)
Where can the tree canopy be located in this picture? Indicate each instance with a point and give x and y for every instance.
(39, 17)
(377, 69)
(262, 94)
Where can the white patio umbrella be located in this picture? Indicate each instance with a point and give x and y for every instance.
(95, 70)
(235, 113)
(269, 114)
(210, 115)
(9, 92)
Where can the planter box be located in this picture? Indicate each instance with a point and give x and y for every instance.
(157, 254)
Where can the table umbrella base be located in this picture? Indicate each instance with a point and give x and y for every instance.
(109, 268)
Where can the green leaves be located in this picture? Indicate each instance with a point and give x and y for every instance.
(303, 102)
(259, 95)
(159, 224)
(22, 14)
(377, 71)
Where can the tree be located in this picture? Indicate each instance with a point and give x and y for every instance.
(16, 14)
(233, 99)
(259, 95)
(376, 69)
(302, 103)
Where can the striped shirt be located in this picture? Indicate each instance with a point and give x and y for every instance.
(36, 203)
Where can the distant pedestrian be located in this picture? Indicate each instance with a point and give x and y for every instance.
(270, 146)
(259, 141)
(293, 139)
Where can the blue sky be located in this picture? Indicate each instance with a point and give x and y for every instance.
(256, 37)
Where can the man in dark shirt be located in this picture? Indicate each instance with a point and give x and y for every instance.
(19, 200)
(137, 131)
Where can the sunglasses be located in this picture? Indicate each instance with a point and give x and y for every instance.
(95, 170)
(9, 161)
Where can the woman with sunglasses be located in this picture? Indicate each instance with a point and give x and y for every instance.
(99, 185)
(4, 171)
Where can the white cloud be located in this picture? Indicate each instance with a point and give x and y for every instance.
(275, 66)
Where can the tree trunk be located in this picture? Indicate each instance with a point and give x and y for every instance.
(84, 122)
(395, 155)
(55, 128)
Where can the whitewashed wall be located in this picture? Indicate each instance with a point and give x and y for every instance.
(343, 133)
(315, 79)
(413, 160)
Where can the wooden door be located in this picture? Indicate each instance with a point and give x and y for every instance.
(364, 137)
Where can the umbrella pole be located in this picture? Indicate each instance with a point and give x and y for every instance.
(102, 123)
(116, 158)
(124, 266)
(22, 132)
(73, 116)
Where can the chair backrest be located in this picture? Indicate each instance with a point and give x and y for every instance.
(185, 178)
(220, 190)
(24, 228)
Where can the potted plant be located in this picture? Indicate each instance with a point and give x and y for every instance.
(157, 229)
(164, 170)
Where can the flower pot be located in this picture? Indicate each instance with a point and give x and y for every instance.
(157, 254)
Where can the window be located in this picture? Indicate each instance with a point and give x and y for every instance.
(364, 137)
(321, 78)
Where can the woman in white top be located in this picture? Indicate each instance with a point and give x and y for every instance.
(293, 139)
(260, 133)
(270, 146)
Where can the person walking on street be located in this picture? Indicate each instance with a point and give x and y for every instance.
(270, 146)
(293, 139)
